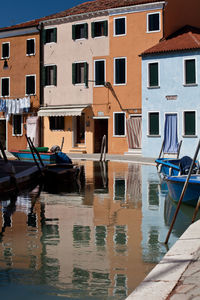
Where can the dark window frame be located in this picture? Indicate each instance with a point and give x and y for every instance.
(153, 75)
(5, 50)
(119, 130)
(80, 31)
(50, 75)
(151, 122)
(153, 25)
(80, 77)
(119, 28)
(189, 129)
(99, 29)
(30, 47)
(5, 86)
(17, 122)
(30, 86)
(99, 72)
(120, 71)
(50, 35)
(190, 71)
(57, 123)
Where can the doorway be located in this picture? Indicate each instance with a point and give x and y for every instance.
(134, 131)
(100, 129)
(170, 134)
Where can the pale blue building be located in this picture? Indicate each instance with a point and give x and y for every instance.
(171, 94)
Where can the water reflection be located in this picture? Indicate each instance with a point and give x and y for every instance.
(95, 242)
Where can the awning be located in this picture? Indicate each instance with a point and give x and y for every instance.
(59, 112)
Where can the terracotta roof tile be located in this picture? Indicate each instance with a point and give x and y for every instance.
(85, 7)
(187, 38)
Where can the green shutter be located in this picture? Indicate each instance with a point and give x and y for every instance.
(73, 73)
(92, 29)
(86, 74)
(85, 30)
(153, 74)
(190, 123)
(55, 75)
(190, 73)
(153, 124)
(43, 76)
(105, 28)
(73, 32)
(55, 35)
(43, 36)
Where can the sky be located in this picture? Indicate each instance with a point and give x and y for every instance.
(14, 12)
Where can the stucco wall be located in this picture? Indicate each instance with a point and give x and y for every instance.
(67, 51)
(154, 100)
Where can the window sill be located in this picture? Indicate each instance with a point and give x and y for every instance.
(154, 135)
(120, 84)
(81, 39)
(119, 35)
(119, 136)
(153, 87)
(189, 136)
(152, 31)
(190, 84)
(32, 54)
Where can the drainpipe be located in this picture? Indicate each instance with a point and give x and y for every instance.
(41, 56)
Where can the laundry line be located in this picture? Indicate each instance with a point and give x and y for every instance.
(15, 106)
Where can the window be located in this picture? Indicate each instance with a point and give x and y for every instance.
(30, 47)
(120, 70)
(56, 123)
(99, 72)
(50, 75)
(153, 123)
(189, 123)
(80, 31)
(30, 85)
(80, 73)
(17, 124)
(5, 87)
(153, 22)
(99, 28)
(190, 71)
(119, 26)
(153, 80)
(50, 35)
(5, 50)
(119, 124)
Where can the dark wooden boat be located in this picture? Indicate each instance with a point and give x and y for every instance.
(17, 175)
(65, 173)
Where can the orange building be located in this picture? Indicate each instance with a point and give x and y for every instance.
(20, 84)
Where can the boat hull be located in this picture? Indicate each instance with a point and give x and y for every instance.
(168, 166)
(175, 186)
(47, 157)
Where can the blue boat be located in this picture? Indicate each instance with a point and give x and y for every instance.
(175, 186)
(26, 155)
(167, 166)
(175, 167)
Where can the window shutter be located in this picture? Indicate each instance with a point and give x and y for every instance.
(86, 74)
(190, 71)
(55, 75)
(105, 28)
(153, 74)
(43, 76)
(190, 123)
(92, 29)
(73, 73)
(55, 35)
(73, 32)
(43, 36)
(154, 124)
(85, 30)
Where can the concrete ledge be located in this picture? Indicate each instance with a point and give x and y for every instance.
(160, 282)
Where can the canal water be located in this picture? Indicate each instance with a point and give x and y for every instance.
(95, 241)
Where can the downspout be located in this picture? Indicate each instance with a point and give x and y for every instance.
(41, 28)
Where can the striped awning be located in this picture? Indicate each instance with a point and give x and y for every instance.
(59, 112)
